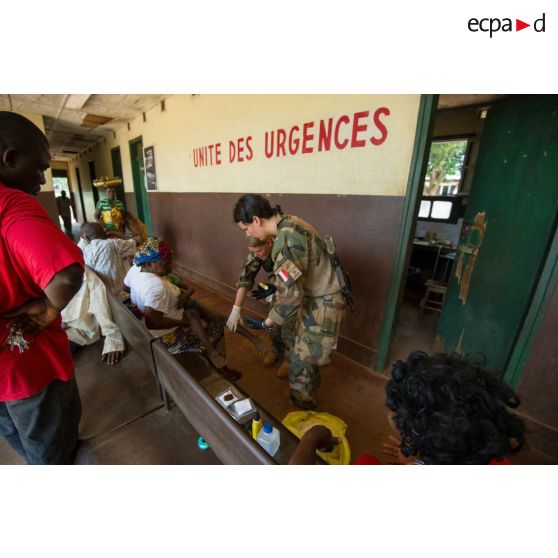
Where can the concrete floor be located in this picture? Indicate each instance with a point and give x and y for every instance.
(124, 422)
(123, 419)
(414, 331)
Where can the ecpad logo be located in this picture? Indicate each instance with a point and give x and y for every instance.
(493, 25)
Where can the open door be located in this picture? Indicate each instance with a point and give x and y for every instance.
(138, 174)
(93, 176)
(508, 227)
(117, 171)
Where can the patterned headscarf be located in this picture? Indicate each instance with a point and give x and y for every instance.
(152, 250)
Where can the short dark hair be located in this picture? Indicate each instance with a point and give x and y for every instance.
(253, 205)
(449, 411)
(18, 132)
(93, 230)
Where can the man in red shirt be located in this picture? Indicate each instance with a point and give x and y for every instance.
(40, 271)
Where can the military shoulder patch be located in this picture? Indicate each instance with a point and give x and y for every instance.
(288, 272)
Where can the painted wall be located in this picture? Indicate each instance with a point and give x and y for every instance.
(345, 144)
(368, 152)
(340, 161)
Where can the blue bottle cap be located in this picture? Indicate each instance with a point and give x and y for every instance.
(268, 427)
(202, 444)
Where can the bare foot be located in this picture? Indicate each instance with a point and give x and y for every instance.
(217, 360)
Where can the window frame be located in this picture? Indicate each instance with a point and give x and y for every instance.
(457, 208)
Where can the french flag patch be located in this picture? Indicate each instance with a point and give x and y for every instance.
(284, 275)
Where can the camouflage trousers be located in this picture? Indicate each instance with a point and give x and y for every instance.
(317, 330)
(282, 336)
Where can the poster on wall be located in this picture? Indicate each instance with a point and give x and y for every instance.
(150, 173)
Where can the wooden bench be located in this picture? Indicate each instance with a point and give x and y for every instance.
(193, 385)
(137, 336)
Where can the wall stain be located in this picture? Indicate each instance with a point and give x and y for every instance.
(468, 253)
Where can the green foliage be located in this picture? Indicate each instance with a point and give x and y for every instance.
(446, 159)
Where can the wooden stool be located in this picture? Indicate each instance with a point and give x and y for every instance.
(434, 297)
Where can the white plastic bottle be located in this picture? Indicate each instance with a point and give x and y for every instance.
(269, 438)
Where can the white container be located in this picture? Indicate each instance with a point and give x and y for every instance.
(269, 438)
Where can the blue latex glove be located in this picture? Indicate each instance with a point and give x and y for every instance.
(254, 324)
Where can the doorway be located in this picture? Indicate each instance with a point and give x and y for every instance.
(508, 222)
(78, 177)
(61, 184)
(93, 176)
(138, 176)
(509, 225)
(438, 224)
(117, 172)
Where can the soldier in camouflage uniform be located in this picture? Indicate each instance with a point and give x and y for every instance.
(310, 288)
(282, 336)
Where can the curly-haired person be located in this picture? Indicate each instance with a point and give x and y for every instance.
(449, 412)
(445, 411)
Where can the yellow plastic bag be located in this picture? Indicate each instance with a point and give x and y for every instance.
(298, 422)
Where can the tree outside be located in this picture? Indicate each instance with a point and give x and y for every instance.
(445, 165)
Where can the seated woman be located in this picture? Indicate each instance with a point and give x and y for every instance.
(169, 313)
(445, 411)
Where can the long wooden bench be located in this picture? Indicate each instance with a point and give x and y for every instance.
(137, 336)
(193, 386)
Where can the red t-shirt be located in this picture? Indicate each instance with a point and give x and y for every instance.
(32, 251)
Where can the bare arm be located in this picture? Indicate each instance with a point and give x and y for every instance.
(63, 286)
(39, 313)
(317, 438)
(156, 320)
(240, 296)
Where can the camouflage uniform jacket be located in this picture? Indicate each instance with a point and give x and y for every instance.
(250, 269)
(301, 265)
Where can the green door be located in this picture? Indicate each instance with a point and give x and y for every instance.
(117, 171)
(509, 223)
(138, 174)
